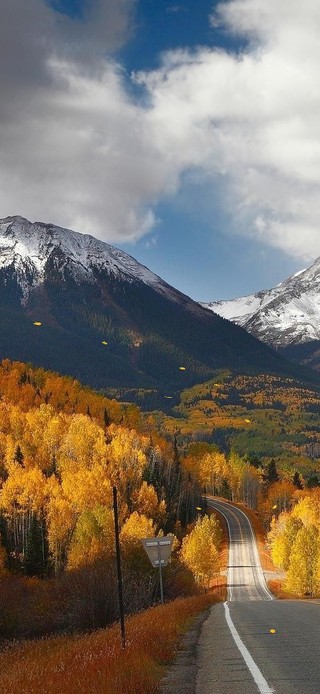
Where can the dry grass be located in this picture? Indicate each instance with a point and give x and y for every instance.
(96, 662)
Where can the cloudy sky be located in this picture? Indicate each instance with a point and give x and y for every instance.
(186, 133)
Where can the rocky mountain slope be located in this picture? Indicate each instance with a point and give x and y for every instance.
(71, 303)
(286, 317)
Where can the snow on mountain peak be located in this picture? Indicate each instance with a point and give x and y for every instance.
(287, 314)
(27, 247)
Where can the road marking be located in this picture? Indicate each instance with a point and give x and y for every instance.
(257, 675)
(256, 554)
(257, 568)
(230, 566)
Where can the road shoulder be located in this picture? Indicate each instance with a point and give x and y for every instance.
(182, 675)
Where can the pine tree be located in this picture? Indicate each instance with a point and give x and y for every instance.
(297, 480)
(271, 474)
(36, 549)
(18, 456)
(106, 418)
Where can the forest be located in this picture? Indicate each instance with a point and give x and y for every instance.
(64, 447)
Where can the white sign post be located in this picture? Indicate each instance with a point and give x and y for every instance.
(158, 550)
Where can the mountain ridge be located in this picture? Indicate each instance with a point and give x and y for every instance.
(77, 305)
(282, 316)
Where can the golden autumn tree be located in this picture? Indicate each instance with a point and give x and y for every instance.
(93, 537)
(211, 471)
(303, 571)
(22, 499)
(136, 527)
(281, 538)
(145, 501)
(126, 458)
(61, 520)
(199, 551)
(280, 497)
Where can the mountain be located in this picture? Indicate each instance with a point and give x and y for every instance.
(286, 317)
(74, 304)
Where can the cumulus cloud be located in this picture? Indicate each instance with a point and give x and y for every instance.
(252, 119)
(78, 149)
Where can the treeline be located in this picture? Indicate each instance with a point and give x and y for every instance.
(231, 476)
(62, 449)
(294, 540)
(288, 505)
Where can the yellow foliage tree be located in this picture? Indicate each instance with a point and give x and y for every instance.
(136, 527)
(212, 470)
(282, 537)
(86, 488)
(303, 572)
(199, 551)
(126, 457)
(93, 537)
(61, 520)
(145, 501)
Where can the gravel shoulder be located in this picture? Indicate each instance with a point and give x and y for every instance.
(181, 676)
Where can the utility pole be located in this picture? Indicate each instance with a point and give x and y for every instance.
(119, 574)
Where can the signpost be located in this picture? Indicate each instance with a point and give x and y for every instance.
(158, 550)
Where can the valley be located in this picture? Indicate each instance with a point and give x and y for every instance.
(186, 406)
(260, 416)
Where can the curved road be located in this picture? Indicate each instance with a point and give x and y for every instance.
(245, 576)
(253, 643)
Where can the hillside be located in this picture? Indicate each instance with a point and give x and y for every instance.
(62, 450)
(261, 416)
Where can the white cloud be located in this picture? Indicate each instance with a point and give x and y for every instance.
(252, 119)
(76, 149)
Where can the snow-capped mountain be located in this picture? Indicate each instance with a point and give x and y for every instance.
(288, 314)
(76, 305)
(30, 250)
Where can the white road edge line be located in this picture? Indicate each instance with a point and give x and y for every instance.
(256, 554)
(257, 675)
(254, 546)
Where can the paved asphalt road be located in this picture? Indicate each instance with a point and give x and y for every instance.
(245, 577)
(252, 643)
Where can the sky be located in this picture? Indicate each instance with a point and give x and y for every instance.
(186, 133)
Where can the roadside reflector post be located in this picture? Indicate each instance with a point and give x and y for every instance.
(158, 550)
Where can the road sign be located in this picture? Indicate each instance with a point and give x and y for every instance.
(158, 550)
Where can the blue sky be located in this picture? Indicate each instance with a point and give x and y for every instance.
(183, 132)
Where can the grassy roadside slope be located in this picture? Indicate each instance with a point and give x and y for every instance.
(96, 662)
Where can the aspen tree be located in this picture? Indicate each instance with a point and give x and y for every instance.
(199, 549)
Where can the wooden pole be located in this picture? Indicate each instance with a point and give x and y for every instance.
(120, 592)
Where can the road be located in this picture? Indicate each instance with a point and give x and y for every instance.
(245, 576)
(252, 643)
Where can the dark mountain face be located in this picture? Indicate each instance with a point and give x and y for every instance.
(73, 304)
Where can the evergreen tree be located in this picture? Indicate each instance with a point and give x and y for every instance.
(106, 418)
(225, 490)
(297, 480)
(36, 556)
(18, 456)
(271, 474)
